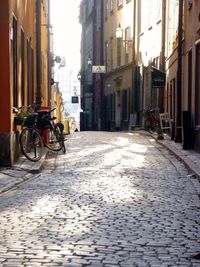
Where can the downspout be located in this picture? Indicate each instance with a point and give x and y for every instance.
(162, 65)
(178, 119)
(38, 50)
(93, 62)
(163, 35)
(49, 53)
(102, 63)
(134, 104)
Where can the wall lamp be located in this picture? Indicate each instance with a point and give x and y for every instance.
(89, 62)
(119, 35)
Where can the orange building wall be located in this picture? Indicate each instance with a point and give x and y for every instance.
(5, 112)
(24, 12)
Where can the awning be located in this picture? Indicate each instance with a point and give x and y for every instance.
(158, 78)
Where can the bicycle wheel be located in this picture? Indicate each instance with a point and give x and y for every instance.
(151, 125)
(148, 124)
(31, 144)
(52, 142)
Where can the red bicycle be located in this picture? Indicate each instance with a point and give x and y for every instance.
(151, 122)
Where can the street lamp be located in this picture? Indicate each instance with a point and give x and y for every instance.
(89, 62)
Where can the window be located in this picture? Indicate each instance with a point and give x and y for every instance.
(106, 8)
(30, 73)
(98, 18)
(189, 79)
(125, 105)
(172, 98)
(106, 54)
(127, 39)
(111, 6)
(158, 10)
(22, 70)
(14, 63)
(111, 53)
(119, 51)
(112, 107)
(119, 3)
(197, 86)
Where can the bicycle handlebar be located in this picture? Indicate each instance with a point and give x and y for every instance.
(52, 110)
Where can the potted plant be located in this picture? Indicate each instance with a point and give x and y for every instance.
(160, 135)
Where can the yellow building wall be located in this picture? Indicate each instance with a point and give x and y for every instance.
(123, 16)
(44, 51)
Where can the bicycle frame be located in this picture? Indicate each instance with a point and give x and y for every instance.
(151, 121)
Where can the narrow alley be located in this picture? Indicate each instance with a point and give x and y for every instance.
(115, 199)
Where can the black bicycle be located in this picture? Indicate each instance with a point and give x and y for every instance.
(30, 140)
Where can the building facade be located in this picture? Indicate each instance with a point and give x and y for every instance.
(87, 12)
(151, 50)
(191, 74)
(157, 36)
(118, 58)
(171, 54)
(98, 61)
(24, 66)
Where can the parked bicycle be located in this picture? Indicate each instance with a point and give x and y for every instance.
(30, 140)
(52, 133)
(151, 122)
(39, 130)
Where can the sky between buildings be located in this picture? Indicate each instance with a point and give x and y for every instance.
(67, 38)
(66, 30)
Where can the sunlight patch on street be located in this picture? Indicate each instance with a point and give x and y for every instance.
(121, 141)
(130, 157)
(110, 190)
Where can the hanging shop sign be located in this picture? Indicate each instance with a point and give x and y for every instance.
(158, 78)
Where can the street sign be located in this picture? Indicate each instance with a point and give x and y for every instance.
(74, 99)
(98, 69)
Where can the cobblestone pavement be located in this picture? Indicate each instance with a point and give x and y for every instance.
(113, 200)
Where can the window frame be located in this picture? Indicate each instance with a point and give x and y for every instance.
(119, 3)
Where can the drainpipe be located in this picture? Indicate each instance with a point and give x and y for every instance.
(162, 65)
(178, 119)
(38, 50)
(163, 35)
(135, 99)
(102, 63)
(49, 54)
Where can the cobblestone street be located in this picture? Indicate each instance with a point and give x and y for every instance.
(113, 200)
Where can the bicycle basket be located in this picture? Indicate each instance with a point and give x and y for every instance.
(30, 120)
(19, 120)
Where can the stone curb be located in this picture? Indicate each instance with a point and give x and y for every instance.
(27, 166)
(195, 176)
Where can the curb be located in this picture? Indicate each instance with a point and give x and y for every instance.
(194, 176)
(31, 169)
(177, 155)
(30, 166)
